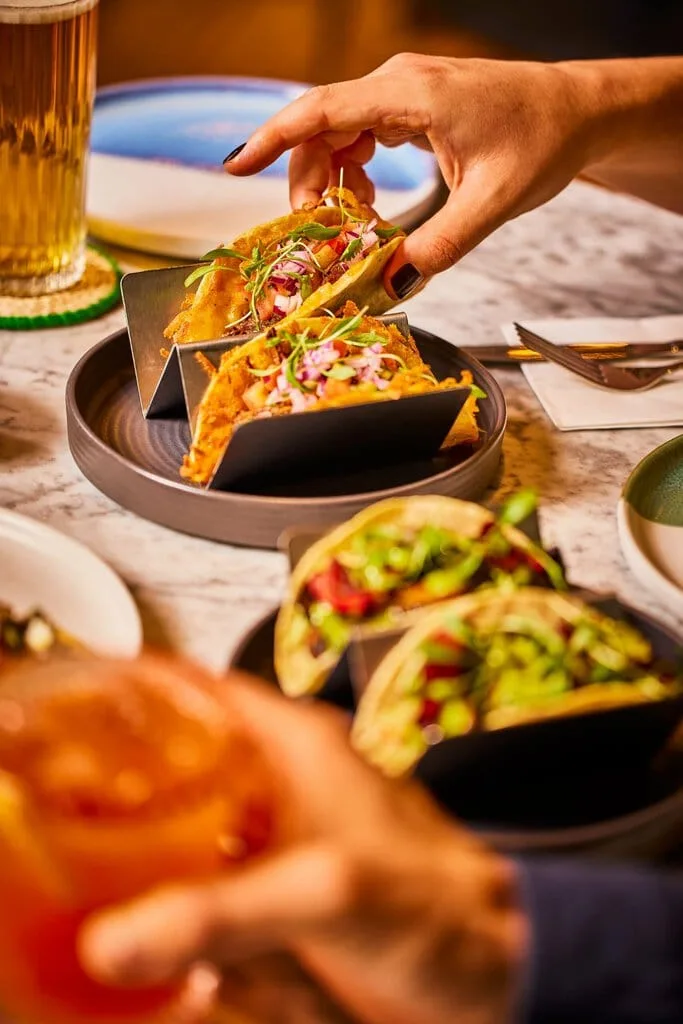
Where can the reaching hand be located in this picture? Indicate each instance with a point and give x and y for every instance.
(507, 137)
(397, 913)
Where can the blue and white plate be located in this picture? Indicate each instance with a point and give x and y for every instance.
(156, 179)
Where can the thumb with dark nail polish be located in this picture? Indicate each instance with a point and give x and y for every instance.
(405, 280)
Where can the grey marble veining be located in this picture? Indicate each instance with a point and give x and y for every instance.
(586, 253)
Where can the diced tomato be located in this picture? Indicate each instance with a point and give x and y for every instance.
(341, 347)
(335, 588)
(339, 243)
(443, 671)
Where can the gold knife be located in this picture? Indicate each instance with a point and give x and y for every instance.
(608, 350)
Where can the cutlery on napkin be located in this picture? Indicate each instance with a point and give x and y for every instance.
(574, 404)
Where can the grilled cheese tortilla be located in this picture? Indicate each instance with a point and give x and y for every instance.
(309, 365)
(492, 660)
(311, 260)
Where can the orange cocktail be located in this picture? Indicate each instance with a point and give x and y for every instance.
(114, 777)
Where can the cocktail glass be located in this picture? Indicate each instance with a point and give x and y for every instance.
(114, 777)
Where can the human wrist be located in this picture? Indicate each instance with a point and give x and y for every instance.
(492, 947)
(622, 104)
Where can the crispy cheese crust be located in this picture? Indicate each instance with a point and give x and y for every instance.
(224, 407)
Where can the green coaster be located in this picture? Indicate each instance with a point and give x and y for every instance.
(96, 293)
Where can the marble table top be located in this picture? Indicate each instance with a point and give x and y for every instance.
(586, 253)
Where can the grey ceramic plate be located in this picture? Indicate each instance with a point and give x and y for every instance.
(650, 519)
(136, 461)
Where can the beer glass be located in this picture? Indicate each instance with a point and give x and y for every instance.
(47, 84)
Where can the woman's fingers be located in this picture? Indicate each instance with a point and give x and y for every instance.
(344, 107)
(354, 178)
(315, 165)
(161, 936)
(468, 216)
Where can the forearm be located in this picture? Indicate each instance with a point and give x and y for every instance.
(634, 118)
(606, 945)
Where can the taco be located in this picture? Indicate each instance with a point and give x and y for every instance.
(311, 260)
(309, 365)
(380, 568)
(492, 660)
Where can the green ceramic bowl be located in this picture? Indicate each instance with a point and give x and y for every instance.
(650, 521)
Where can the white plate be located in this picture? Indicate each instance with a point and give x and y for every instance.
(650, 522)
(41, 568)
(156, 181)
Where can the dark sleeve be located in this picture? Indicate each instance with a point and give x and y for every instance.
(606, 944)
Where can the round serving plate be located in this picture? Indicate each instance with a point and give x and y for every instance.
(156, 181)
(632, 808)
(42, 569)
(136, 461)
(650, 522)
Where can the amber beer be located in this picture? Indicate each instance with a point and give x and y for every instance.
(47, 83)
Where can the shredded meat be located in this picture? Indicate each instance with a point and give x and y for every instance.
(336, 271)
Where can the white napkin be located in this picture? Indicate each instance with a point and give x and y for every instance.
(574, 404)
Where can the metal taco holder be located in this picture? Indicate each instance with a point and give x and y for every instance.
(415, 426)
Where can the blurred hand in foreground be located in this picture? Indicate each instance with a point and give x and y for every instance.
(398, 914)
(507, 135)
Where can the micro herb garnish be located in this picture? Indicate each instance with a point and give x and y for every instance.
(315, 232)
(302, 343)
(223, 253)
(351, 250)
(265, 269)
(386, 232)
(206, 268)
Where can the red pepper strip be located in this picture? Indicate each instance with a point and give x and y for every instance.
(446, 640)
(429, 712)
(334, 587)
(443, 671)
(509, 562)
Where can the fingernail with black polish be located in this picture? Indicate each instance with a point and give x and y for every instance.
(235, 152)
(405, 280)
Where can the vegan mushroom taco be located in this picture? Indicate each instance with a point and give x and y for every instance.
(382, 567)
(496, 659)
(309, 365)
(313, 259)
